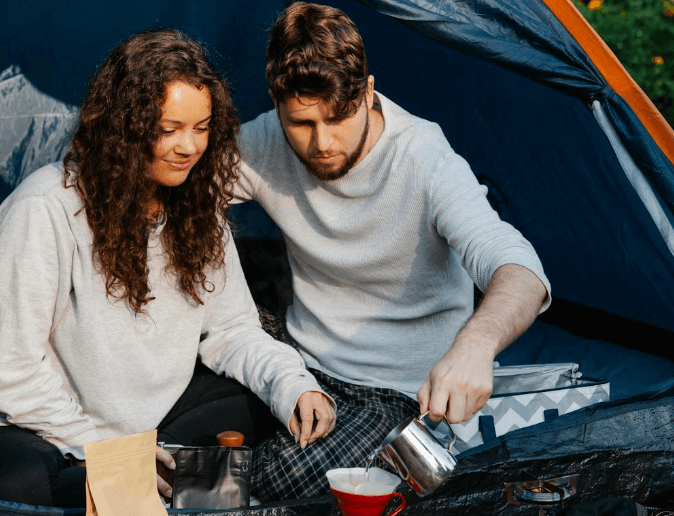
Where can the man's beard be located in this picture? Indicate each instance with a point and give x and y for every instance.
(324, 173)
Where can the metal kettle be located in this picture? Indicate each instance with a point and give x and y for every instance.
(420, 451)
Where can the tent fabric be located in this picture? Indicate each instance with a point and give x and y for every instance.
(493, 31)
(615, 74)
(651, 200)
(590, 254)
(630, 372)
(509, 85)
(34, 130)
(527, 37)
(566, 157)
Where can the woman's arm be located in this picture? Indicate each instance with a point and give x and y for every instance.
(235, 344)
(34, 253)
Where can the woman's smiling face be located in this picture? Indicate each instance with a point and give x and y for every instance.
(184, 133)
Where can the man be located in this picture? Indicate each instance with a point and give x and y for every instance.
(387, 230)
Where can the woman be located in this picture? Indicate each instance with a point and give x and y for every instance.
(119, 273)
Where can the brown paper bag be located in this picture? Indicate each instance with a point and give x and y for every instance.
(122, 477)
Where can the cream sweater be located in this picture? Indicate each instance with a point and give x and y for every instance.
(383, 259)
(79, 366)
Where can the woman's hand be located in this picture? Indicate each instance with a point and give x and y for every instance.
(314, 417)
(165, 458)
(162, 456)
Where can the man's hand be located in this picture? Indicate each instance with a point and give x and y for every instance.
(459, 384)
(314, 418)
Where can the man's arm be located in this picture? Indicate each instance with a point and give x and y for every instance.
(462, 380)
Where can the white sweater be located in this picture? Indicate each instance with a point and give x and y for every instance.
(78, 366)
(383, 259)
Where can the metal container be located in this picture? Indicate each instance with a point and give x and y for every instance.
(420, 451)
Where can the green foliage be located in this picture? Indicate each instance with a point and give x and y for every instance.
(641, 34)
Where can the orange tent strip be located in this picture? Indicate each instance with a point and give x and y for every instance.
(614, 73)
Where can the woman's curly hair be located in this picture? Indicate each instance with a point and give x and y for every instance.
(111, 153)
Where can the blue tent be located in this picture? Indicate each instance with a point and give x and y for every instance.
(574, 154)
(574, 164)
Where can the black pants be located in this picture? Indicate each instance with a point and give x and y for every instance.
(33, 471)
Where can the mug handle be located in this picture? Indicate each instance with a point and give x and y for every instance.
(400, 507)
(449, 427)
(451, 444)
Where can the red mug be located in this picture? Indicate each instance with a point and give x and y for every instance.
(350, 504)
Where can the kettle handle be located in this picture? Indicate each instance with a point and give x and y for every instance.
(449, 427)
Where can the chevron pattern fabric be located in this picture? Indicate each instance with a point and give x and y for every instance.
(511, 412)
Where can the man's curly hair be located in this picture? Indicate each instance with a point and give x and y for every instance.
(111, 152)
(316, 50)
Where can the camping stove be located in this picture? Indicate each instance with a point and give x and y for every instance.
(542, 493)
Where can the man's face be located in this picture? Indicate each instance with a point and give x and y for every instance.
(328, 147)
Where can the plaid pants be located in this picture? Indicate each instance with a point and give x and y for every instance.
(365, 416)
